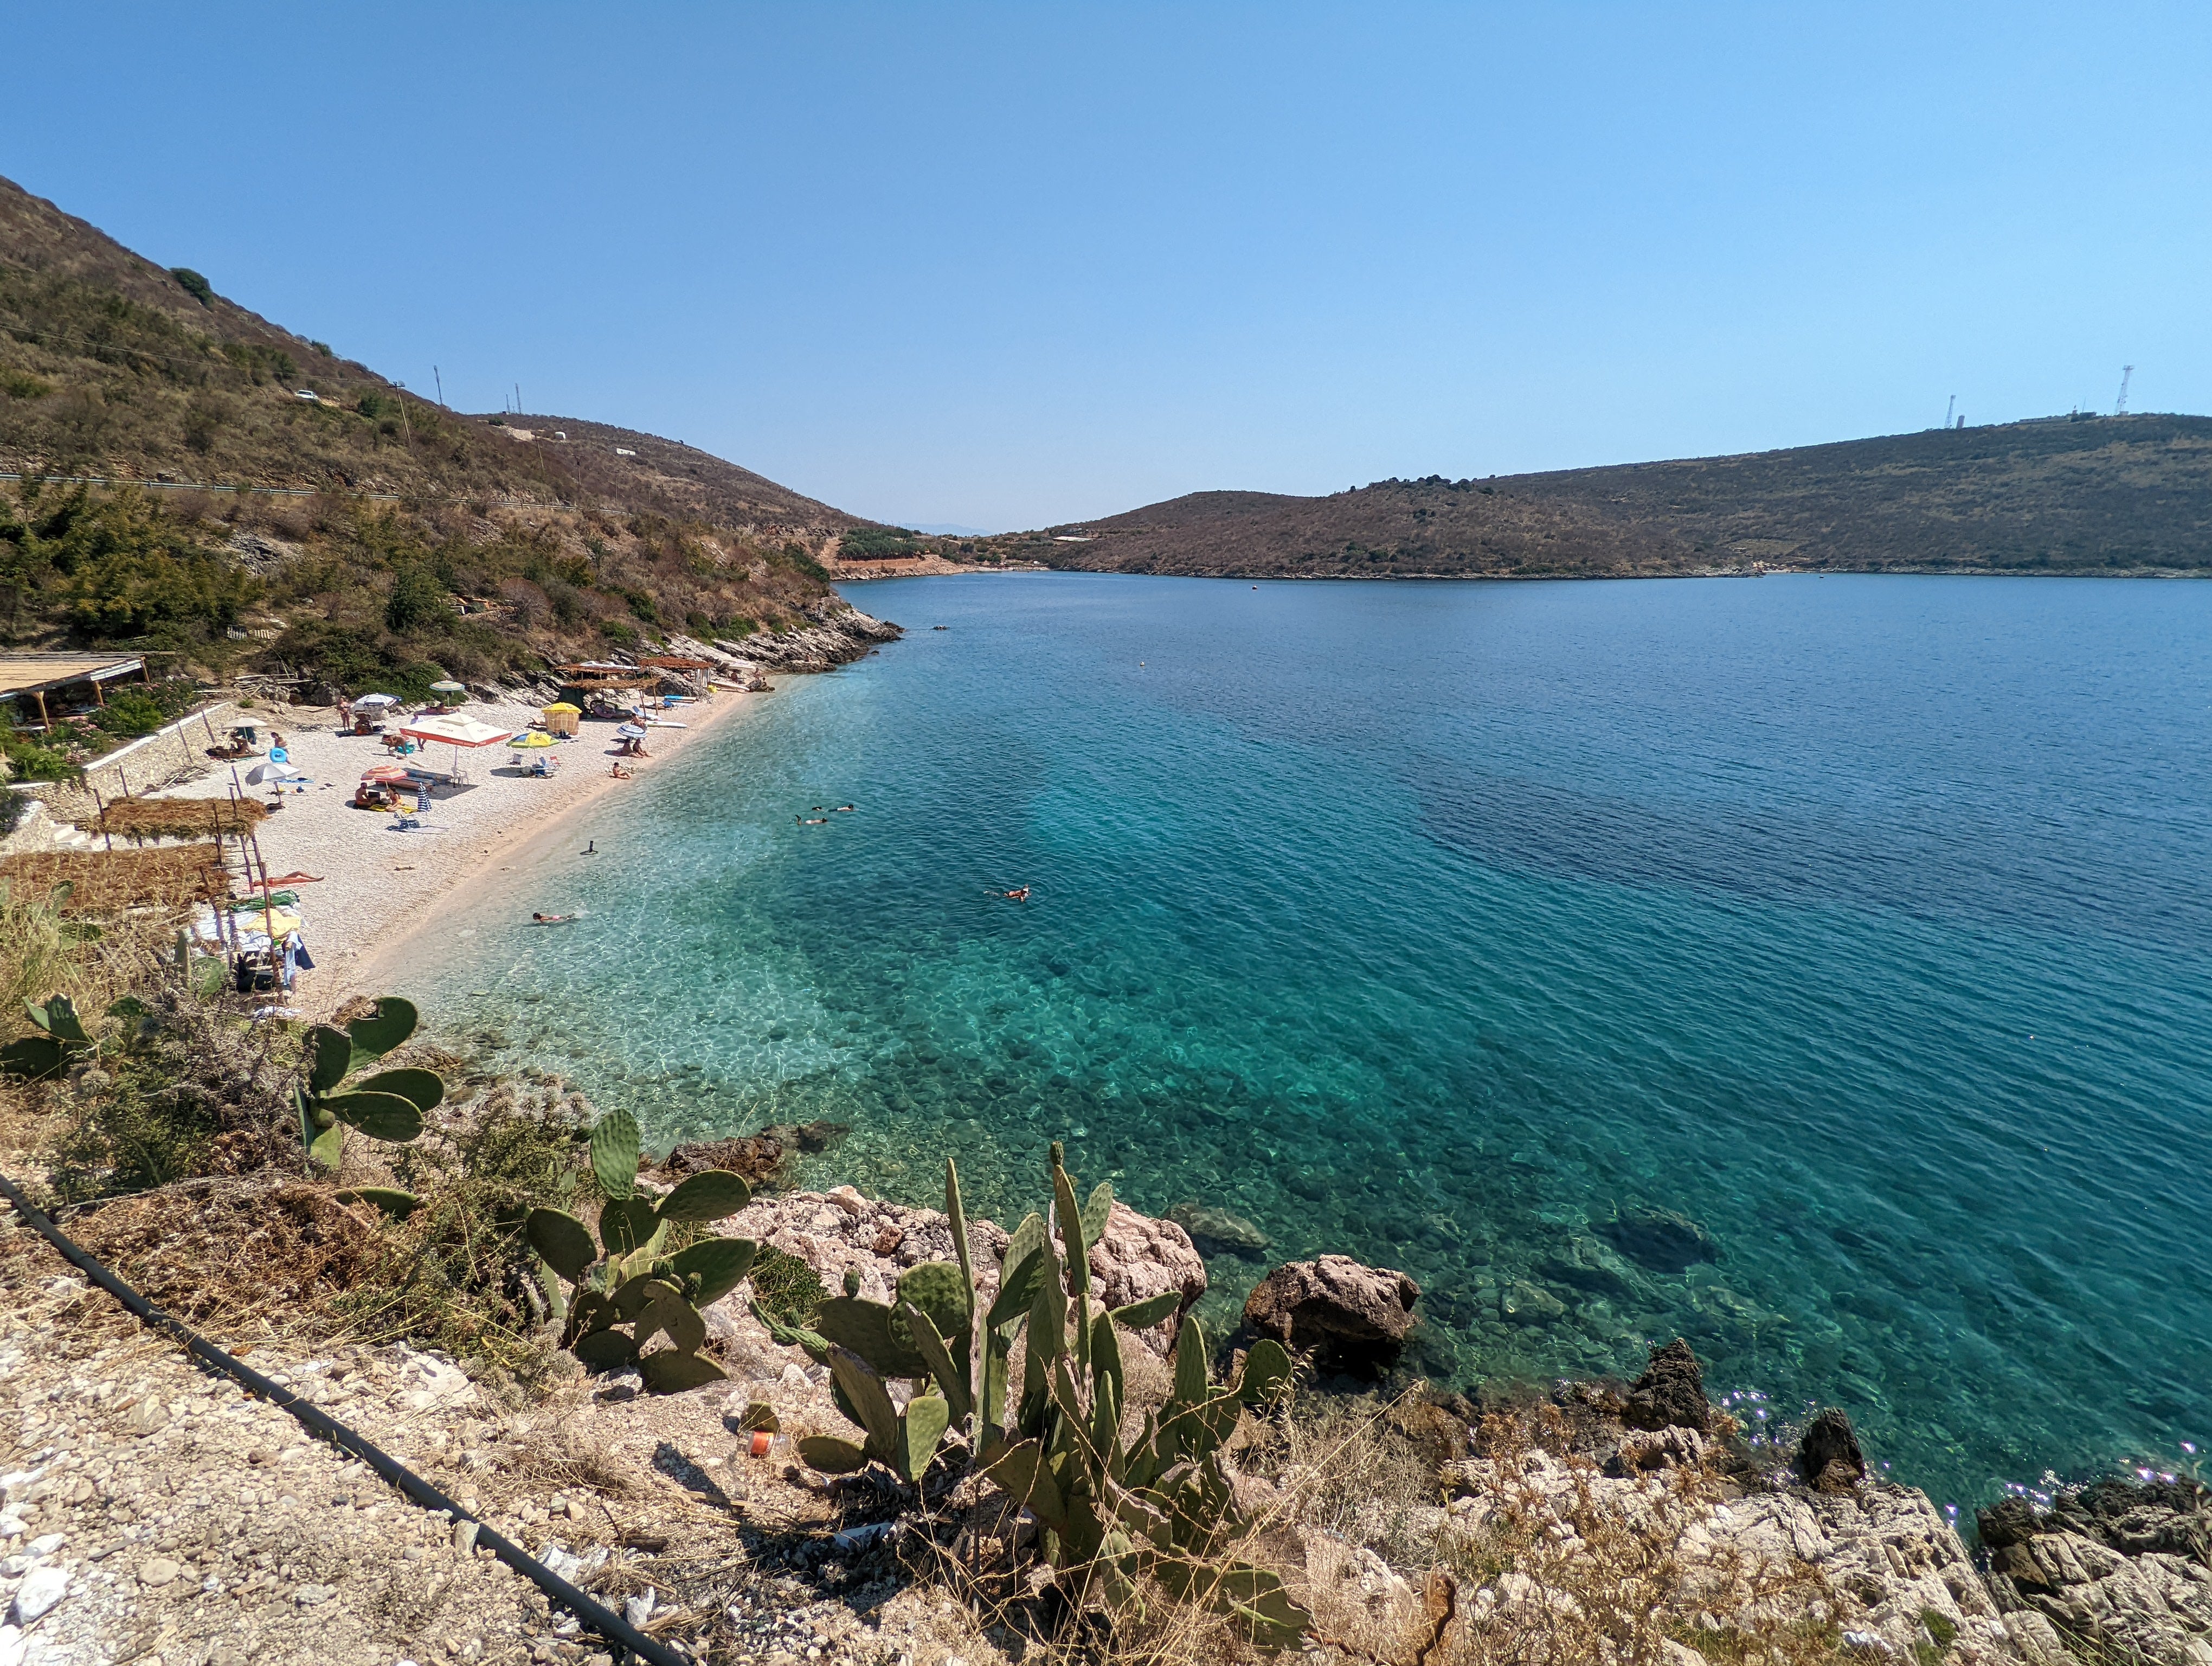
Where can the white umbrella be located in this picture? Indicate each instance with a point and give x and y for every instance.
(266, 770)
(376, 700)
(629, 732)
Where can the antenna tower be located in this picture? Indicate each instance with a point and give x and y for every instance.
(2120, 405)
(1949, 409)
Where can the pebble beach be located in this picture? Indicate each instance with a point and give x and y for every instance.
(377, 887)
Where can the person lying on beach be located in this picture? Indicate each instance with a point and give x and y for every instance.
(552, 918)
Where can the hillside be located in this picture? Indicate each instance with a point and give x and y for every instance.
(410, 542)
(2091, 494)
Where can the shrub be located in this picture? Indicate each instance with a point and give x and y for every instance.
(193, 285)
(620, 632)
(417, 600)
(324, 348)
(22, 384)
(130, 713)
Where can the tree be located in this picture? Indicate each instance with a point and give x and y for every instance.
(417, 600)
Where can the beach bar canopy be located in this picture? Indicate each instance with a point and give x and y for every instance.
(455, 731)
(38, 675)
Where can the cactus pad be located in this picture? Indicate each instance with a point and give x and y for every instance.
(330, 1055)
(718, 1264)
(424, 1089)
(561, 1239)
(390, 1026)
(614, 1153)
(713, 1194)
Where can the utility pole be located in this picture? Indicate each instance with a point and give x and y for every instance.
(2120, 405)
(440, 380)
(518, 399)
(1949, 409)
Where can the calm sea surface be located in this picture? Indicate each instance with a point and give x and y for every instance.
(1472, 928)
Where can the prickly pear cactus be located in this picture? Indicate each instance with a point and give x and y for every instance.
(388, 1105)
(625, 1290)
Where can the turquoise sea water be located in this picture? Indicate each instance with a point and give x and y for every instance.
(1864, 921)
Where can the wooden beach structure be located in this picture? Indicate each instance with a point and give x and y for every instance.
(43, 680)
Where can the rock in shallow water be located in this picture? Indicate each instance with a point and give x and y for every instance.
(1354, 1319)
(1671, 1393)
(1828, 1454)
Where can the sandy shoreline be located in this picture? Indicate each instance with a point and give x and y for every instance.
(380, 890)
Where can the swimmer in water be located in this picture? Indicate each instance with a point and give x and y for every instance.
(1021, 896)
(812, 821)
(552, 918)
(842, 808)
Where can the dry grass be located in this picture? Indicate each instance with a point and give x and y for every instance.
(261, 1247)
(180, 819)
(107, 882)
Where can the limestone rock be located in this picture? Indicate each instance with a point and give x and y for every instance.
(1671, 1393)
(1353, 1317)
(2118, 1568)
(1137, 1257)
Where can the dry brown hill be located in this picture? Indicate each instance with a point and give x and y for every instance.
(403, 543)
(112, 366)
(2065, 495)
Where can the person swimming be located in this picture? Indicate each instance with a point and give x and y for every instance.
(552, 918)
(812, 821)
(1021, 896)
(841, 807)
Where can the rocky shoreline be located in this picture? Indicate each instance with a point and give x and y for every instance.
(146, 1510)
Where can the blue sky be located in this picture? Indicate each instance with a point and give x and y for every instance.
(1004, 266)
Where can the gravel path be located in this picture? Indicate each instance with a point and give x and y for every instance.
(152, 1513)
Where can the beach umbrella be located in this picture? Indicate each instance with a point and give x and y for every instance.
(535, 737)
(376, 700)
(266, 770)
(563, 706)
(447, 687)
(630, 732)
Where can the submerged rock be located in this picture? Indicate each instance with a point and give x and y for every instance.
(1353, 1317)
(1671, 1393)
(1219, 1232)
(1659, 1239)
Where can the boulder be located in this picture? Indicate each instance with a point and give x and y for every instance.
(1828, 1454)
(1136, 1258)
(769, 1159)
(1352, 1318)
(1671, 1393)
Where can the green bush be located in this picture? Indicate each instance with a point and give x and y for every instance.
(22, 384)
(417, 601)
(129, 715)
(620, 632)
(193, 285)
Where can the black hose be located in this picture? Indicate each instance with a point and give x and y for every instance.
(586, 1609)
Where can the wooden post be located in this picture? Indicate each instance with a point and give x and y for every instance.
(125, 779)
(44, 721)
(97, 698)
(102, 809)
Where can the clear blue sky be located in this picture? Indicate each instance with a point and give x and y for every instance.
(1008, 265)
